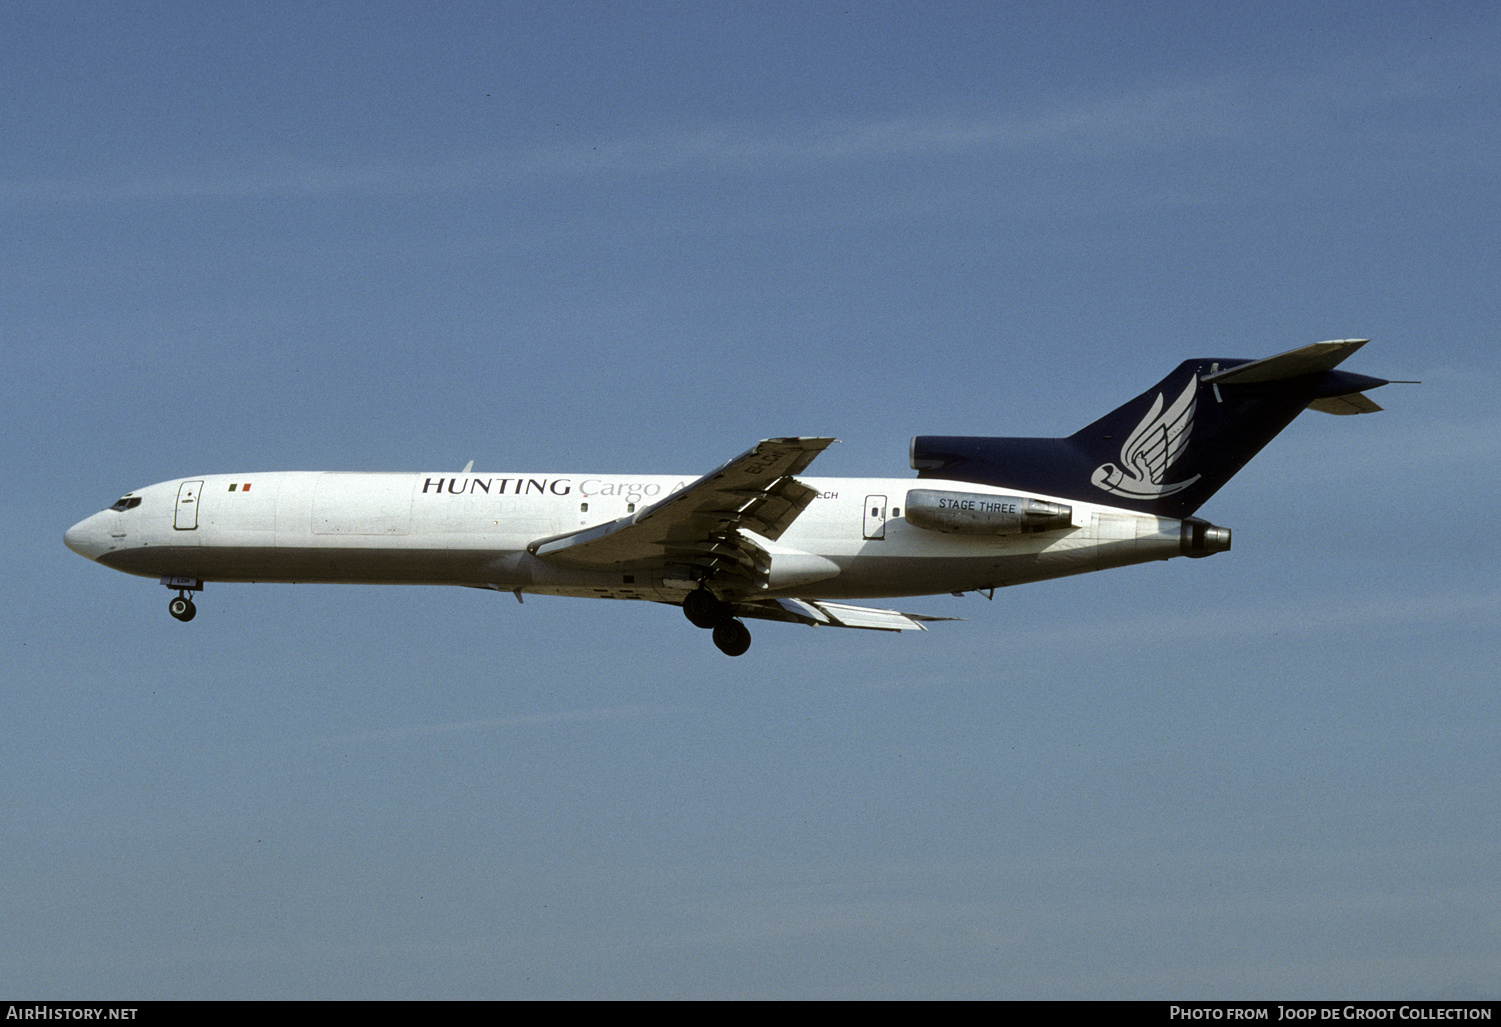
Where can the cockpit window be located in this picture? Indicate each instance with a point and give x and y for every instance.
(127, 503)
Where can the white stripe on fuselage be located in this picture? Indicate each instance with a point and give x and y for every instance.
(473, 529)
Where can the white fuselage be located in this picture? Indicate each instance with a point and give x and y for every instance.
(473, 529)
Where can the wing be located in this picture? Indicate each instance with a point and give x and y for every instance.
(698, 528)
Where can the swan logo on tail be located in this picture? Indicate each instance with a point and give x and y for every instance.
(1150, 451)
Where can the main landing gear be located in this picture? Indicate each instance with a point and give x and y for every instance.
(706, 610)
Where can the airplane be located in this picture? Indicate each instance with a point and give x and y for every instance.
(752, 539)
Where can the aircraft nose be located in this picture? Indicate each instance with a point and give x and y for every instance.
(86, 538)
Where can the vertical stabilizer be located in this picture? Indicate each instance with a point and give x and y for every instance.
(1171, 448)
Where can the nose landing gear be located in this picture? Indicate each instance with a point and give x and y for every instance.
(182, 608)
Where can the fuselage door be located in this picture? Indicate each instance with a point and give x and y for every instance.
(187, 505)
(875, 516)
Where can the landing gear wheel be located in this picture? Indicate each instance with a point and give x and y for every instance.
(732, 637)
(704, 609)
(182, 608)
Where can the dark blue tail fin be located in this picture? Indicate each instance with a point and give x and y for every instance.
(1171, 448)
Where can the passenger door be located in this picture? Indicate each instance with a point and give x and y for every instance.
(187, 506)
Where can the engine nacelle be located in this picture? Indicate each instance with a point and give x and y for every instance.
(973, 513)
(1200, 538)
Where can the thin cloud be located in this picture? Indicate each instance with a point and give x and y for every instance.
(1228, 109)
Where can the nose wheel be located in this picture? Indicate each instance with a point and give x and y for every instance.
(182, 608)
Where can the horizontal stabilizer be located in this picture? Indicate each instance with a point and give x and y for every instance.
(1321, 356)
(834, 615)
(1354, 403)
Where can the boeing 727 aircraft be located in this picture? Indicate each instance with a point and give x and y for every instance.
(753, 538)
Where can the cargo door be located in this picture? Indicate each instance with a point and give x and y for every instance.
(187, 506)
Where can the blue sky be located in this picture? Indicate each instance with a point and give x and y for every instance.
(599, 237)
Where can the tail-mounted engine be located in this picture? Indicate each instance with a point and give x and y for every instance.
(1200, 538)
(973, 513)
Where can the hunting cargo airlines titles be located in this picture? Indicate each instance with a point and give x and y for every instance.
(755, 538)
